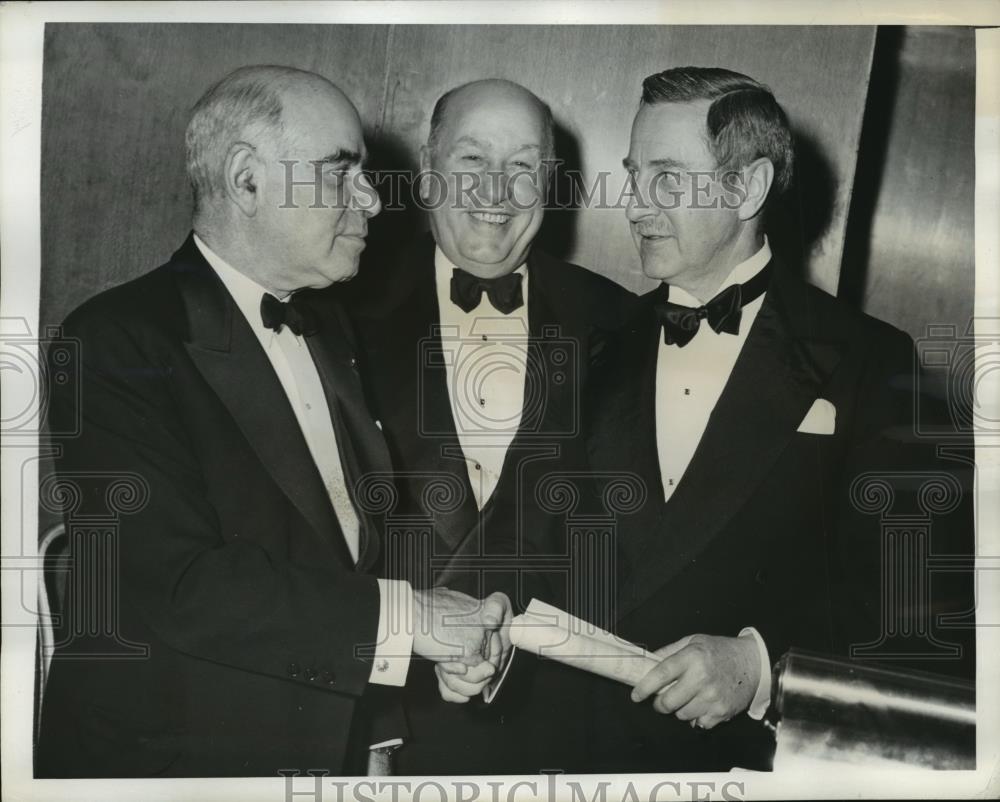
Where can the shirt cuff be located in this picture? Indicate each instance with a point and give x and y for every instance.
(386, 744)
(762, 699)
(394, 641)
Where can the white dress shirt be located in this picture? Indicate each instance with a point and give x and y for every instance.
(689, 382)
(485, 355)
(289, 355)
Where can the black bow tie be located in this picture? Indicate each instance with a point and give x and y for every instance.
(723, 312)
(504, 292)
(297, 316)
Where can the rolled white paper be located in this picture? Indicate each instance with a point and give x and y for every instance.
(549, 632)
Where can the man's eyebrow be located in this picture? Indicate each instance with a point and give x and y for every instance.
(340, 156)
(657, 164)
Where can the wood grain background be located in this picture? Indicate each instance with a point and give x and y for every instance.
(910, 252)
(115, 199)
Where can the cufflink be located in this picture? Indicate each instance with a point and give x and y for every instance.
(382, 666)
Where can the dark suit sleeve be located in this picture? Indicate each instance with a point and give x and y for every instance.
(221, 598)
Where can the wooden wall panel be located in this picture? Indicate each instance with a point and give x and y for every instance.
(910, 255)
(591, 76)
(115, 201)
(115, 102)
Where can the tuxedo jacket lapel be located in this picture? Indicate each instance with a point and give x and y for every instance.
(779, 373)
(552, 382)
(229, 356)
(362, 448)
(423, 389)
(623, 409)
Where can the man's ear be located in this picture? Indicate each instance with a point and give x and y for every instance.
(242, 173)
(425, 168)
(758, 177)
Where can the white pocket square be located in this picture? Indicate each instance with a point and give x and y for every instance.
(820, 419)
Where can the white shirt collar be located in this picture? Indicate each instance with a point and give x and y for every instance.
(740, 274)
(246, 292)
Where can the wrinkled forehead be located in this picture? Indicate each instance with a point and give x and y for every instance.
(499, 117)
(674, 132)
(319, 120)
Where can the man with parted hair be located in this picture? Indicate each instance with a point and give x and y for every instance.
(749, 402)
(478, 347)
(228, 384)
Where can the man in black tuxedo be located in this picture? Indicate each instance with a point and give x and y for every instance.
(477, 355)
(750, 404)
(225, 386)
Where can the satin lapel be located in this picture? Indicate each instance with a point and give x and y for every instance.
(361, 445)
(229, 356)
(435, 435)
(622, 434)
(554, 368)
(778, 375)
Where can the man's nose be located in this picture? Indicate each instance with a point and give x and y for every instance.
(638, 207)
(364, 197)
(493, 187)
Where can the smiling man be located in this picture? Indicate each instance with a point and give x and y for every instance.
(750, 403)
(227, 388)
(478, 354)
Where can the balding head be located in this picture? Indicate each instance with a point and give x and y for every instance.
(489, 150)
(496, 93)
(275, 157)
(257, 104)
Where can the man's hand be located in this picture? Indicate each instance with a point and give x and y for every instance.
(704, 679)
(468, 638)
(450, 626)
(458, 682)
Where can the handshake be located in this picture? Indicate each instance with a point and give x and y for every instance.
(468, 639)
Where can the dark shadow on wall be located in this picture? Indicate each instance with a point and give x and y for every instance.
(883, 87)
(392, 172)
(558, 233)
(800, 218)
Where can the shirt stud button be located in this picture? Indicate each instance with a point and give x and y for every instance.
(479, 467)
(687, 391)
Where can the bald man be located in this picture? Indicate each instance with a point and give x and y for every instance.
(478, 351)
(226, 386)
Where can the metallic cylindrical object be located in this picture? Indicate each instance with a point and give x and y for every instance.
(837, 710)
